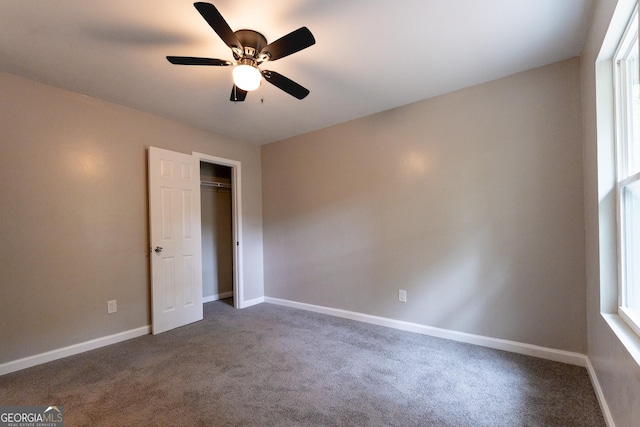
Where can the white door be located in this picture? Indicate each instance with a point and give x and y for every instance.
(176, 253)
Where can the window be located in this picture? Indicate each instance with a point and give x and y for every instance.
(628, 173)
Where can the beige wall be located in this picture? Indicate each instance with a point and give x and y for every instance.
(471, 202)
(73, 214)
(617, 372)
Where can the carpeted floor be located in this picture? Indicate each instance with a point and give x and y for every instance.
(274, 366)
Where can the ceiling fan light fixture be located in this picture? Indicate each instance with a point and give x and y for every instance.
(250, 49)
(247, 76)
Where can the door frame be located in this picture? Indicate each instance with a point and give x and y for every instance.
(236, 221)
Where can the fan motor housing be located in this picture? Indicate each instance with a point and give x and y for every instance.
(252, 42)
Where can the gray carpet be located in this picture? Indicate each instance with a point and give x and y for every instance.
(274, 366)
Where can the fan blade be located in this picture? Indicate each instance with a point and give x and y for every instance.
(219, 25)
(286, 84)
(291, 43)
(237, 94)
(190, 60)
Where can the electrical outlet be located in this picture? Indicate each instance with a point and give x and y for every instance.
(402, 295)
(112, 306)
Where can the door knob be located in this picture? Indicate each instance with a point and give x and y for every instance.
(158, 249)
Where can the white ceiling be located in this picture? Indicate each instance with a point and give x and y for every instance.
(369, 56)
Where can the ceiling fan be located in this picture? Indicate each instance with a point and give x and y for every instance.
(250, 49)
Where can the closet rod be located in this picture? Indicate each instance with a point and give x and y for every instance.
(215, 184)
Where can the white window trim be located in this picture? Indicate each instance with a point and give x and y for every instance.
(622, 132)
(606, 273)
(627, 317)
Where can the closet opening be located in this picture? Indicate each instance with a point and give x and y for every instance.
(218, 241)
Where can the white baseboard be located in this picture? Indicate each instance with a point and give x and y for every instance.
(496, 343)
(606, 413)
(217, 297)
(59, 353)
(249, 303)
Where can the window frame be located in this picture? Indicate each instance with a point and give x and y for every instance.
(623, 143)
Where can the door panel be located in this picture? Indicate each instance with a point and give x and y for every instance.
(176, 258)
